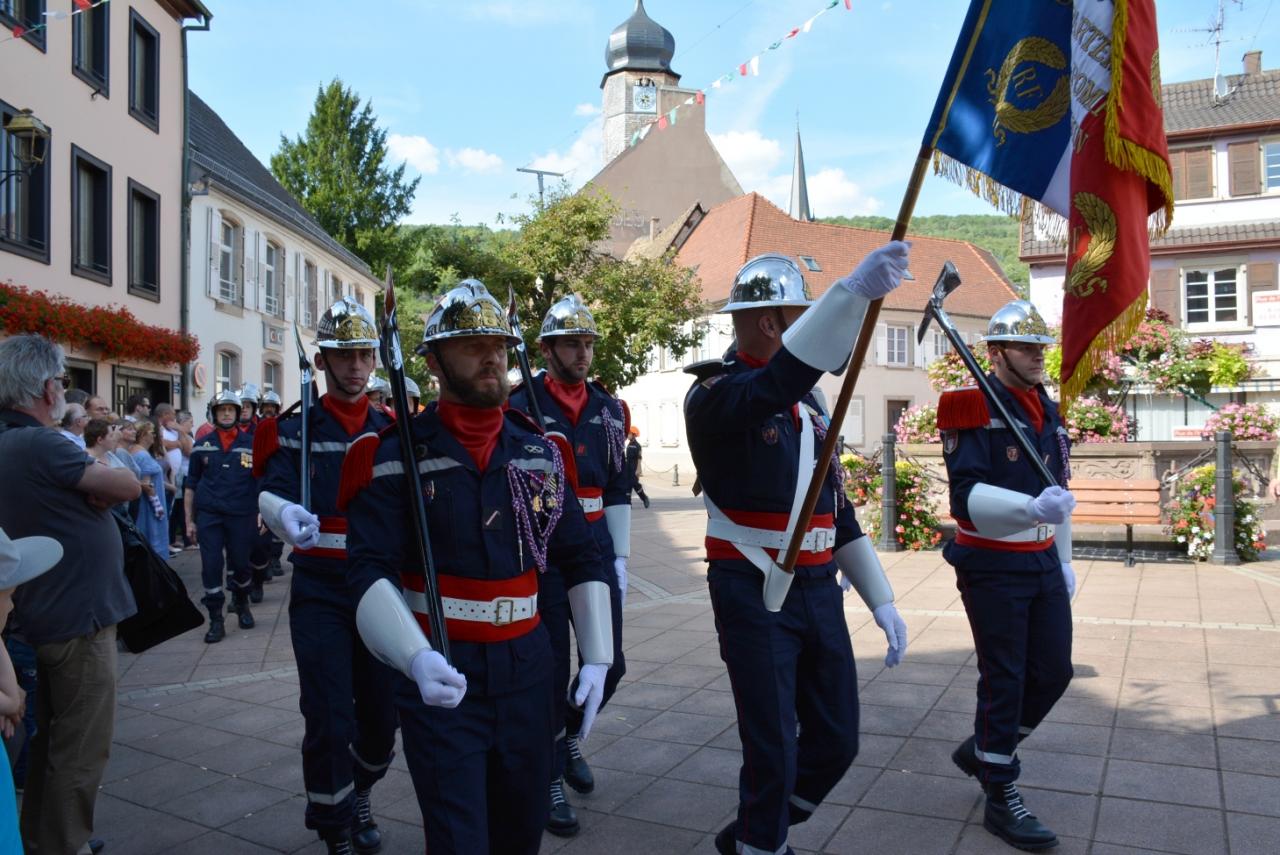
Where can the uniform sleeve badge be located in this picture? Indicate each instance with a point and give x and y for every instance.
(246, 460)
(769, 433)
(950, 441)
(1011, 452)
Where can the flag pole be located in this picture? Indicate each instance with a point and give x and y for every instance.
(865, 336)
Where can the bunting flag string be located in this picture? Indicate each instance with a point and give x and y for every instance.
(750, 68)
(22, 30)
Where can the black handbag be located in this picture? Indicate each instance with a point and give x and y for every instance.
(165, 609)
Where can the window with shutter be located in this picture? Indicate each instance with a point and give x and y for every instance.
(1214, 298)
(1271, 164)
(897, 349)
(855, 422)
(1192, 172)
(1243, 165)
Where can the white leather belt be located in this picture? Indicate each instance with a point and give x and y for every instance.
(591, 504)
(499, 612)
(815, 539)
(331, 541)
(1038, 534)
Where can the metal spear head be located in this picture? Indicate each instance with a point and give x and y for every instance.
(392, 355)
(303, 362)
(948, 281)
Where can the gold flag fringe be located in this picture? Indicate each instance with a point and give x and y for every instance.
(1123, 153)
(1110, 340)
(979, 183)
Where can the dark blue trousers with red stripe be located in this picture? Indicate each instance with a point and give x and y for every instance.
(793, 667)
(1021, 623)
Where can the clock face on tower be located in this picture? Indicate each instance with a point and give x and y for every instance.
(644, 99)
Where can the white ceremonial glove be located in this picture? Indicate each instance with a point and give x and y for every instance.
(1053, 505)
(301, 527)
(895, 630)
(880, 272)
(846, 585)
(620, 568)
(439, 682)
(589, 696)
(1069, 578)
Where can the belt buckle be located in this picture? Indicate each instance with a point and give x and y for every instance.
(820, 539)
(504, 611)
(1042, 533)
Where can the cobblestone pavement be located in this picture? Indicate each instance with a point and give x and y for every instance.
(1168, 739)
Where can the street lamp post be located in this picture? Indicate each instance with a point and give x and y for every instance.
(30, 144)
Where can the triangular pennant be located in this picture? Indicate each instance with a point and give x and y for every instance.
(19, 31)
(792, 34)
(672, 115)
(662, 123)
(808, 25)
(82, 5)
(701, 97)
(776, 45)
(755, 66)
(742, 69)
(848, 4)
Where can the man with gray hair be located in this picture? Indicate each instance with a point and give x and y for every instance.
(73, 424)
(69, 614)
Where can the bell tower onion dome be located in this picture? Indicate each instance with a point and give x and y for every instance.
(640, 44)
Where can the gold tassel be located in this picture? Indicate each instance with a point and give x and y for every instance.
(1110, 340)
(979, 183)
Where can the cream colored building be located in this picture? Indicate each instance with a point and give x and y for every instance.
(98, 222)
(259, 264)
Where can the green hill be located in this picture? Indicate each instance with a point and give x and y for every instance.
(995, 233)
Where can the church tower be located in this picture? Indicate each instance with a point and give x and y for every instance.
(638, 59)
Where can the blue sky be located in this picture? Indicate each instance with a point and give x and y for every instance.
(471, 90)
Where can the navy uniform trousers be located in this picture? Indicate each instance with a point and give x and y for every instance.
(233, 535)
(800, 653)
(344, 698)
(1021, 625)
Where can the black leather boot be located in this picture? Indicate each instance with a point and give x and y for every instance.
(338, 843)
(562, 821)
(240, 605)
(725, 842)
(365, 836)
(217, 629)
(255, 592)
(1008, 818)
(966, 760)
(275, 568)
(576, 771)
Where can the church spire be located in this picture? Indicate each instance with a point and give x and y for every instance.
(799, 208)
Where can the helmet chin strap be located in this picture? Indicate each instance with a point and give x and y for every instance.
(1015, 372)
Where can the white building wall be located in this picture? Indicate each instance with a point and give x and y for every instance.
(232, 316)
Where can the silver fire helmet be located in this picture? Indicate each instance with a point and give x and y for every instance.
(768, 280)
(568, 316)
(468, 309)
(347, 325)
(226, 396)
(271, 397)
(249, 394)
(377, 384)
(1018, 320)
(411, 388)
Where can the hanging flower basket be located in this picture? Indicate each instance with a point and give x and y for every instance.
(113, 329)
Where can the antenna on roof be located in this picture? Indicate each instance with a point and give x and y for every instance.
(1217, 25)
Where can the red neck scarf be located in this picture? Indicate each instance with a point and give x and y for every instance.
(350, 415)
(572, 397)
(227, 436)
(475, 428)
(1030, 401)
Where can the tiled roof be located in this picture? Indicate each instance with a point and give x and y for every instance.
(1191, 106)
(218, 152)
(1200, 236)
(750, 225)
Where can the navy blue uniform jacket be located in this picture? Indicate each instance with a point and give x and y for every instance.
(223, 480)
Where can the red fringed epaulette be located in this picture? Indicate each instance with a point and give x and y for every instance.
(522, 420)
(962, 409)
(266, 442)
(357, 467)
(566, 454)
(601, 387)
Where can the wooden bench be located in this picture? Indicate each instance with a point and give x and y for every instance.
(1112, 501)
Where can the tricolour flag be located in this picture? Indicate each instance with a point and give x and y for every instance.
(1062, 107)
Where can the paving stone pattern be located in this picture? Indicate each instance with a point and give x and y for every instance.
(1167, 741)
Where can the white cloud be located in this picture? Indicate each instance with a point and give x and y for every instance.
(833, 194)
(525, 13)
(751, 156)
(475, 160)
(584, 158)
(417, 151)
(586, 109)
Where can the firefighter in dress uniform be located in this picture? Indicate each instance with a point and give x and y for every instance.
(220, 498)
(345, 694)
(1012, 555)
(477, 735)
(754, 427)
(378, 391)
(594, 424)
(248, 407)
(413, 393)
(269, 408)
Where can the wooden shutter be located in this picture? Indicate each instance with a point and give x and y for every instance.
(1199, 173)
(252, 299)
(1244, 165)
(214, 220)
(1165, 293)
(882, 344)
(237, 261)
(1262, 277)
(854, 427)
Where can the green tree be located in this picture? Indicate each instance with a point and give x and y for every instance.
(638, 305)
(338, 170)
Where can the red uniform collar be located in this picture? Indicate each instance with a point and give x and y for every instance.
(751, 361)
(227, 436)
(350, 415)
(572, 397)
(476, 429)
(1030, 401)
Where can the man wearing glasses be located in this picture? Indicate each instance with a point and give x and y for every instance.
(69, 614)
(137, 408)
